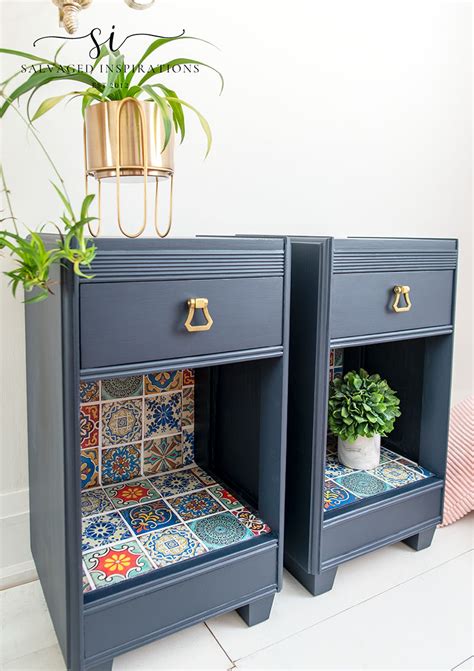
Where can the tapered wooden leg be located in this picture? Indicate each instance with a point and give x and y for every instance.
(422, 540)
(316, 583)
(257, 611)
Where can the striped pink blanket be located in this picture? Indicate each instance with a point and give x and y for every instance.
(459, 495)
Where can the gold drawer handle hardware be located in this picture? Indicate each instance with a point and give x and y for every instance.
(198, 304)
(400, 290)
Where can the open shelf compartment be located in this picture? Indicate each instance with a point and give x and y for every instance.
(407, 460)
(170, 471)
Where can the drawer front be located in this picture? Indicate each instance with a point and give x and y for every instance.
(133, 322)
(361, 303)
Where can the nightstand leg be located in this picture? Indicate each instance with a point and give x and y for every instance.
(422, 540)
(257, 611)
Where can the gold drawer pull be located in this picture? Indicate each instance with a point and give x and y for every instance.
(400, 290)
(198, 304)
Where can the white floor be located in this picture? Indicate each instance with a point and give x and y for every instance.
(392, 609)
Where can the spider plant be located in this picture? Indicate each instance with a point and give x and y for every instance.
(34, 257)
(123, 81)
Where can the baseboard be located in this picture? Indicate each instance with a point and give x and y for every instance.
(16, 563)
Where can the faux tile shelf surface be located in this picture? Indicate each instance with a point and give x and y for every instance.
(344, 486)
(149, 523)
(145, 503)
(136, 425)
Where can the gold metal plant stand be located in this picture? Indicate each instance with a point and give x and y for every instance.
(124, 139)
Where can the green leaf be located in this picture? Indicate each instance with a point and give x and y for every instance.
(66, 202)
(156, 44)
(165, 113)
(49, 103)
(202, 120)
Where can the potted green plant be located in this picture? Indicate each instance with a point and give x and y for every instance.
(130, 116)
(362, 408)
(124, 81)
(34, 254)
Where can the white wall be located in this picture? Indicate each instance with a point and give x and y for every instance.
(339, 118)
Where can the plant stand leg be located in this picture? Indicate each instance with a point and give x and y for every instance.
(257, 611)
(104, 666)
(422, 540)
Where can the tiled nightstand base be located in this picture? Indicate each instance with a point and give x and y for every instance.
(345, 486)
(150, 523)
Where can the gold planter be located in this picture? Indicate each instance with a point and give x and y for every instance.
(124, 139)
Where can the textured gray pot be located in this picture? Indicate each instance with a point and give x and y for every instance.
(362, 454)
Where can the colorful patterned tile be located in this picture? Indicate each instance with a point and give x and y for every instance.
(336, 496)
(121, 422)
(338, 372)
(150, 517)
(396, 474)
(187, 414)
(220, 530)
(89, 392)
(331, 358)
(204, 477)
(94, 502)
(122, 387)
(102, 530)
(188, 376)
(180, 482)
(120, 464)
(119, 562)
(89, 423)
(155, 383)
(187, 445)
(162, 454)
(225, 497)
(162, 414)
(89, 468)
(251, 521)
(131, 493)
(415, 467)
(334, 468)
(338, 357)
(198, 504)
(172, 545)
(331, 374)
(362, 484)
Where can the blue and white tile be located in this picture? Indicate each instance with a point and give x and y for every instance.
(94, 501)
(163, 414)
(121, 422)
(179, 482)
(220, 530)
(363, 484)
(169, 546)
(103, 530)
(334, 468)
(396, 474)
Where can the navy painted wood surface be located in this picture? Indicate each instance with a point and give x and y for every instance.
(121, 331)
(343, 298)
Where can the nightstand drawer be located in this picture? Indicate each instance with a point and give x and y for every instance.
(135, 321)
(372, 303)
